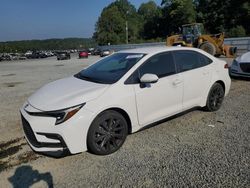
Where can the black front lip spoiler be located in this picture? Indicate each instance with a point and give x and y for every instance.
(56, 154)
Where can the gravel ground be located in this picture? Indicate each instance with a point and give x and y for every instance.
(195, 149)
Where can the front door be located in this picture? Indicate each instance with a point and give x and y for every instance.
(161, 99)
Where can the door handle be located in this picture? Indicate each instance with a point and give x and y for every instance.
(177, 81)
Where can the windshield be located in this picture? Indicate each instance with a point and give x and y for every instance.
(110, 69)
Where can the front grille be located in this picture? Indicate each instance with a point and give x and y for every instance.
(32, 138)
(245, 67)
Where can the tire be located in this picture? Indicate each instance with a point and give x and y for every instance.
(208, 47)
(233, 51)
(215, 98)
(107, 133)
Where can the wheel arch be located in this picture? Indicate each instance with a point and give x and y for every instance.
(123, 113)
(209, 88)
(222, 84)
(207, 107)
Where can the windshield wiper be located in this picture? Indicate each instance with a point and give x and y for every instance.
(87, 78)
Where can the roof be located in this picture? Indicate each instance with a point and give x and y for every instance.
(154, 50)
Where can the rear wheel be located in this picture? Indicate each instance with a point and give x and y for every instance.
(208, 47)
(107, 133)
(215, 98)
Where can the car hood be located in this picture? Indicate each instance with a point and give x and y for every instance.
(65, 93)
(245, 58)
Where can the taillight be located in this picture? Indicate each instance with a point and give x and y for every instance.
(226, 66)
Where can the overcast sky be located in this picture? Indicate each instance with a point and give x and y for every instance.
(43, 19)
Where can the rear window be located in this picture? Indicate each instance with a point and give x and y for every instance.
(187, 60)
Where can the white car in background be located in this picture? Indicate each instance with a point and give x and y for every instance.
(96, 108)
(241, 66)
(105, 53)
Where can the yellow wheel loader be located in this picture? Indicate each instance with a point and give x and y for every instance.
(193, 36)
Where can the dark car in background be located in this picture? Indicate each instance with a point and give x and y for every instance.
(83, 54)
(91, 50)
(7, 57)
(96, 51)
(42, 55)
(63, 55)
(37, 55)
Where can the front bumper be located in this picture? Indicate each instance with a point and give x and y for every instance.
(44, 136)
(239, 73)
(60, 146)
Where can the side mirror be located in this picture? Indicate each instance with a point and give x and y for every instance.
(149, 78)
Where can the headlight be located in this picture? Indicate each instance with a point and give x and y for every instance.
(60, 115)
(235, 63)
(64, 115)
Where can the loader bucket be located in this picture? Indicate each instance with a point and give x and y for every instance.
(230, 51)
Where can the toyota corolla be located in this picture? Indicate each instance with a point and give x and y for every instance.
(98, 107)
(241, 66)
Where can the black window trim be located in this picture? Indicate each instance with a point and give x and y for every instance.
(130, 82)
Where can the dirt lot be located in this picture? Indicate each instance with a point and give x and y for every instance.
(196, 149)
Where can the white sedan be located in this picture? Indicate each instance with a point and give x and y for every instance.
(241, 66)
(96, 108)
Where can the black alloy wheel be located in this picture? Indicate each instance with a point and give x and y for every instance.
(107, 133)
(215, 97)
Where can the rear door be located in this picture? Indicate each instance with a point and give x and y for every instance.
(196, 73)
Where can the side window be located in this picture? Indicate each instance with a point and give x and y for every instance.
(160, 64)
(186, 60)
(204, 60)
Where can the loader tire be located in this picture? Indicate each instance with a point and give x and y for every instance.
(208, 47)
(233, 51)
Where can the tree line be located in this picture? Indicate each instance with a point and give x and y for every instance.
(151, 22)
(48, 44)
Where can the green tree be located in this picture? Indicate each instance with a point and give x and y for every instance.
(237, 31)
(48, 44)
(148, 10)
(221, 16)
(129, 13)
(212, 14)
(177, 13)
(238, 14)
(150, 14)
(111, 27)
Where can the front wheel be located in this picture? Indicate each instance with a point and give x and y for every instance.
(107, 133)
(215, 98)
